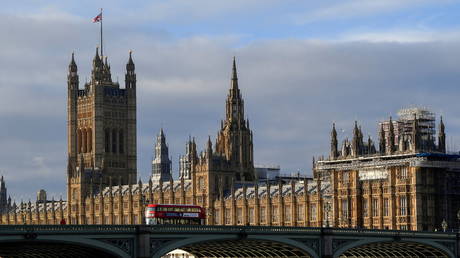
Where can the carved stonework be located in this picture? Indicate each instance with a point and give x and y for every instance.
(312, 243)
(126, 245)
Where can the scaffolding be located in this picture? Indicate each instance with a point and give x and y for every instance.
(425, 119)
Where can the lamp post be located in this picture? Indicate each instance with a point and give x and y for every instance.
(444, 225)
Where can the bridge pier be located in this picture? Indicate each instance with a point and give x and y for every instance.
(326, 244)
(143, 242)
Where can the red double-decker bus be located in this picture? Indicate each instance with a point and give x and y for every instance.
(156, 214)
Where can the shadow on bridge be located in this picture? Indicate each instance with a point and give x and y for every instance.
(26, 249)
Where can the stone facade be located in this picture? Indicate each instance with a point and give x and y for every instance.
(409, 182)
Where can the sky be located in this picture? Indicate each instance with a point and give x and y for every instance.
(302, 65)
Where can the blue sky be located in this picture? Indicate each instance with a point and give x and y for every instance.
(302, 65)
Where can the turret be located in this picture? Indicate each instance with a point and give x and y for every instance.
(415, 135)
(441, 137)
(334, 152)
(355, 142)
(97, 72)
(130, 77)
(382, 140)
(161, 164)
(72, 77)
(391, 138)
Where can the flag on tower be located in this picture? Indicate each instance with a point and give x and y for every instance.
(98, 18)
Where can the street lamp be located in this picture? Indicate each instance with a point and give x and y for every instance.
(444, 225)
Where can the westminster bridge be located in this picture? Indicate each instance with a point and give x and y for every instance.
(220, 241)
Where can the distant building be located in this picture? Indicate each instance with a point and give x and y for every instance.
(264, 172)
(161, 164)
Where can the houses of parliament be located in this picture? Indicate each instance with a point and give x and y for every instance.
(405, 181)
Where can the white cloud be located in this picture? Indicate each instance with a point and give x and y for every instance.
(356, 8)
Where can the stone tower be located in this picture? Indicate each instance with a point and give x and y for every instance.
(101, 130)
(186, 161)
(234, 140)
(161, 164)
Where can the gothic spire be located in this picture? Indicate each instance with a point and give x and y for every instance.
(334, 152)
(442, 137)
(161, 164)
(98, 66)
(130, 65)
(382, 144)
(391, 137)
(73, 65)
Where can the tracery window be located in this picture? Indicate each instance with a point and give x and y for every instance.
(300, 212)
(375, 207)
(403, 205)
(274, 213)
(263, 214)
(365, 208)
(313, 212)
(251, 215)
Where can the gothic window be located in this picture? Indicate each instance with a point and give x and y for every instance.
(385, 207)
(239, 216)
(313, 212)
(107, 140)
(121, 142)
(403, 205)
(136, 220)
(345, 177)
(106, 220)
(300, 212)
(89, 139)
(365, 208)
(83, 141)
(274, 213)
(403, 172)
(227, 216)
(251, 215)
(375, 207)
(216, 216)
(79, 141)
(345, 208)
(263, 215)
(126, 219)
(74, 194)
(116, 220)
(114, 141)
(201, 183)
(287, 213)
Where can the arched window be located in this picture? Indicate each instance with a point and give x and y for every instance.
(89, 139)
(114, 141)
(121, 142)
(79, 141)
(83, 140)
(107, 140)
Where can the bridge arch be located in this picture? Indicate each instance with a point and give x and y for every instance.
(60, 244)
(237, 246)
(381, 247)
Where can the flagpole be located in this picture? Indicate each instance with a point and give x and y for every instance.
(102, 52)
